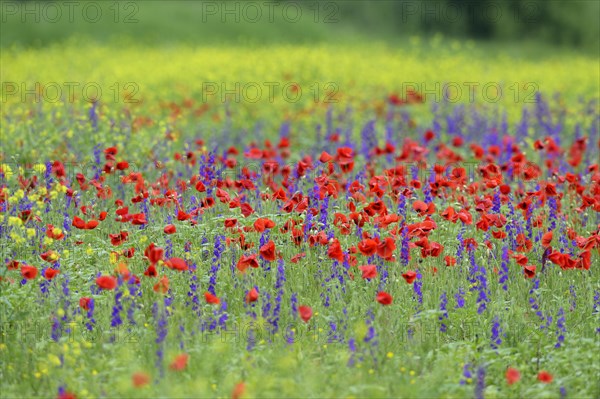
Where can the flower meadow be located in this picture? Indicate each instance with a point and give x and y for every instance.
(382, 245)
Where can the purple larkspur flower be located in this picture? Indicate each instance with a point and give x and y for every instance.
(443, 309)
(560, 328)
(496, 333)
(460, 298)
(480, 385)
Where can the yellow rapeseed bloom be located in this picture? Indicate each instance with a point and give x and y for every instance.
(7, 170)
(53, 359)
(39, 167)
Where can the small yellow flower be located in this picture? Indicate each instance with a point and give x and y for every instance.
(53, 359)
(412, 373)
(56, 231)
(6, 169)
(371, 371)
(39, 167)
(113, 258)
(30, 232)
(60, 312)
(14, 221)
(390, 355)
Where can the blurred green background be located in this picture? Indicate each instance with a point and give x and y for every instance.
(561, 23)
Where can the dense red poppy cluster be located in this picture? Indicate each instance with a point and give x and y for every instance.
(393, 209)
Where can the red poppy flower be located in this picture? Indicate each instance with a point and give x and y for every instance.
(420, 207)
(140, 379)
(110, 153)
(12, 265)
(78, 222)
(384, 298)
(345, 159)
(51, 233)
(162, 286)
(545, 377)
(305, 313)
(246, 209)
(386, 248)
(368, 271)
(180, 362)
(252, 295)
(367, 247)
(29, 272)
(200, 187)
(325, 157)
(238, 390)
(212, 299)
(138, 219)
(176, 264)
(230, 222)
(335, 251)
(267, 251)
(106, 282)
(450, 260)
(50, 273)
(547, 239)
(512, 376)
(118, 239)
(151, 271)
(409, 276)
(529, 271)
(153, 253)
(170, 229)
(49, 256)
(247, 261)
(85, 303)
